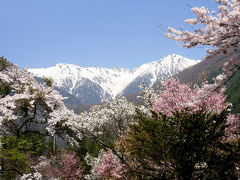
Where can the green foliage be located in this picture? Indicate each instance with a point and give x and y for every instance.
(48, 81)
(5, 89)
(13, 153)
(86, 146)
(186, 146)
(22, 107)
(233, 93)
(16, 153)
(108, 135)
(4, 63)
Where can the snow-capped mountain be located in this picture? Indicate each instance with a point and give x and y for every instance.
(95, 84)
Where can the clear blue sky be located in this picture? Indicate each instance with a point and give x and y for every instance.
(107, 33)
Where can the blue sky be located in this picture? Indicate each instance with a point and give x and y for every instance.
(106, 33)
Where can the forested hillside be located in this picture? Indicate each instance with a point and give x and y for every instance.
(233, 93)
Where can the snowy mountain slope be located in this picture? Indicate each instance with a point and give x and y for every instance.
(96, 84)
(158, 71)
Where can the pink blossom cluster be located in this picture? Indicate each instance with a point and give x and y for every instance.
(66, 166)
(180, 97)
(109, 167)
(234, 124)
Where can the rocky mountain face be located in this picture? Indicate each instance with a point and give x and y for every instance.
(96, 84)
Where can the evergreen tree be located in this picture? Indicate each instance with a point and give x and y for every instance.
(182, 146)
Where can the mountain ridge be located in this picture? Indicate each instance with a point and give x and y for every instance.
(95, 84)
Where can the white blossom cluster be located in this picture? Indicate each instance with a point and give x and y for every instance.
(219, 30)
(117, 114)
(27, 100)
(31, 176)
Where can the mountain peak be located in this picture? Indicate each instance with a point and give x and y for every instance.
(173, 57)
(64, 65)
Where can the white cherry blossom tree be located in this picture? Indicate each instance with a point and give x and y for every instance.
(221, 31)
(25, 104)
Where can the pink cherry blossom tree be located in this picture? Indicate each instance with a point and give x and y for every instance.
(221, 31)
(179, 97)
(208, 98)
